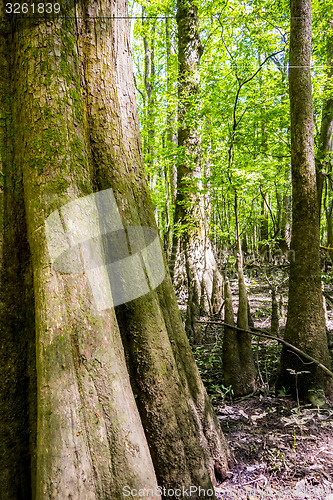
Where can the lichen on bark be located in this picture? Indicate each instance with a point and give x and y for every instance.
(113, 397)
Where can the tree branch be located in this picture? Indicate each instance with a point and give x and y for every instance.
(281, 341)
(269, 208)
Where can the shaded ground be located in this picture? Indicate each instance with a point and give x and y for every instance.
(282, 450)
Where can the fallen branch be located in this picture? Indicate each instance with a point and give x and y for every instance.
(281, 341)
(221, 322)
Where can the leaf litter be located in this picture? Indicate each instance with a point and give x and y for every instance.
(281, 450)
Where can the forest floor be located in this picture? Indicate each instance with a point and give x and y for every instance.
(282, 449)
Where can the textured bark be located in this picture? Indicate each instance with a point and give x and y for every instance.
(90, 400)
(243, 374)
(184, 438)
(17, 368)
(191, 224)
(305, 326)
(90, 441)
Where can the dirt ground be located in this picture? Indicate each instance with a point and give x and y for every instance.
(282, 450)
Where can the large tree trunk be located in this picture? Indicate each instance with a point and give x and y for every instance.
(306, 321)
(191, 225)
(81, 439)
(91, 400)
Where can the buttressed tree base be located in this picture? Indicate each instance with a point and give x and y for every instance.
(91, 401)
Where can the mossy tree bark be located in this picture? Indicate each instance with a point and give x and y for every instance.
(90, 400)
(191, 238)
(158, 354)
(305, 326)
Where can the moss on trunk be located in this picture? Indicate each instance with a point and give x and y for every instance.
(152, 336)
(305, 326)
(191, 218)
(102, 421)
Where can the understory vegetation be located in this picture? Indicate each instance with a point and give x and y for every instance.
(227, 94)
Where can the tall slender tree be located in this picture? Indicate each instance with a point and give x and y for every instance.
(171, 137)
(305, 326)
(324, 153)
(190, 221)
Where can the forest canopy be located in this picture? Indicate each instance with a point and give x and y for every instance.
(243, 82)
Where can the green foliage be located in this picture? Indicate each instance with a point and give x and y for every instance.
(242, 114)
(209, 361)
(283, 392)
(327, 278)
(222, 393)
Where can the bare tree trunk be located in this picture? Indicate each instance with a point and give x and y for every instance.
(275, 313)
(191, 227)
(171, 143)
(328, 208)
(217, 293)
(323, 161)
(238, 363)
(305, 326)
(230, 358)
(286, 220)
(149, 46)
(264, 247)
